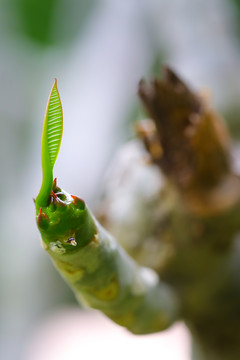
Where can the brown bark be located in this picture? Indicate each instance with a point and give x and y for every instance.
(191, 145)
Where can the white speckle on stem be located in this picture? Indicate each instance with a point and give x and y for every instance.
(57, 247)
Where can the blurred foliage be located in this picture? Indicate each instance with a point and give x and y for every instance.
(231, 116)
(236, 5)
(47, 22)
(36, 18)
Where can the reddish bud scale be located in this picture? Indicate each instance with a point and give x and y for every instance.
(42, 219)
(53, 195)
(54, 187)
(56, 201)
(80, 203)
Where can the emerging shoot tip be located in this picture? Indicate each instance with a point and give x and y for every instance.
(51, 141)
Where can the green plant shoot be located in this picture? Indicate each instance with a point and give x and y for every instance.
(51, 141)
(90, 260)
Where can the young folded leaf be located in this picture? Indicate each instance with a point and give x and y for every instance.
(51, 141)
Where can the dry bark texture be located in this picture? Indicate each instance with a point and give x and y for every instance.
(194, 218)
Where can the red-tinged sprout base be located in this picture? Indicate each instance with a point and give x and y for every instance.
(64, 224)
(99, 271)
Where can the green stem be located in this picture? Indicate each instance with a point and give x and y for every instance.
(100, 272)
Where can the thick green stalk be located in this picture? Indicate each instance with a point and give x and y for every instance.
(99, 271)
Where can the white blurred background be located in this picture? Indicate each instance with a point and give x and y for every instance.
(98, 50)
